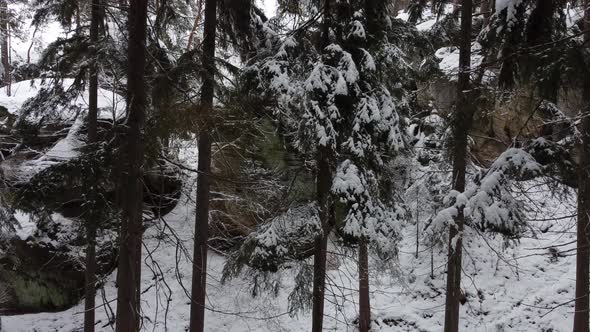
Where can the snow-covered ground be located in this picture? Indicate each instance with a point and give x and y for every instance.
(508, 288)
(515, 288)
(111, 105)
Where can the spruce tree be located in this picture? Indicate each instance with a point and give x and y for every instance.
(539, 50)
(129, 267)
(463, 117)
(324, 175)
(4, 51)
(91, 225)
(335, 91)
(199, 279)
(582, 299)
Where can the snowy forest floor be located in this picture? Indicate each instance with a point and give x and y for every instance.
(524, 287)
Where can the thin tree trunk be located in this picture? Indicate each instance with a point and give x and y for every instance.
(364, 302)
(456, 5)
(129, 270)
(486, 10)
(461, 126)
(417, 221)
(191, 36)
(4, 44)
(432, 256)
(90, 277)
(199, 281)
(434, 5)
(91, 225)
(581, 320)
(323, 187)
(78, 9)
(582, 307)
(323, 184)
(31, 45)
(319, 279)
(95, 18)
(375, 10)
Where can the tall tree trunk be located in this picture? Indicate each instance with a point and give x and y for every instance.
(486, 10)
(583, 244)
(456, 5)
(191, 36)
(461, 126)
(78, 25)
(4, 45)
(364, 303)
(129, 269)
(90, 277)
(91, 225)
(323, 187)
(375, 11)
(199, 282)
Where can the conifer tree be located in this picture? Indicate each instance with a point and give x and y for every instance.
(463, 117)
(91, 225)
(338, 90)
(324, 175)
(129, 267)
(530, 31)
(199, 279)
(4, 35)
(582, 299)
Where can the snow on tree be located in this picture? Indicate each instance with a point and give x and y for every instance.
(282, 240)
(338, 97)
(489, 202)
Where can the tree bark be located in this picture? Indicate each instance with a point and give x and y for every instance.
(91, 225)
(129, 269)
(581, 320)
(4, 45)
(95, 18)
(323, 187)
(90, 277)
(319, 279)
(461, 126)
(582, 307)
(486, 10)
(199, 281)
(364, 302)
(191, 36)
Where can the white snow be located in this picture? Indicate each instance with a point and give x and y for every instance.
(35, 41)
(426, 25)
(449, 59)
(269, 7)
(26, 226)
(66, 148)
(514, 292)
(503, 4)
(110, 104)
(510, 6)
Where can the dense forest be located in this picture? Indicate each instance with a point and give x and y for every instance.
(294, 165)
